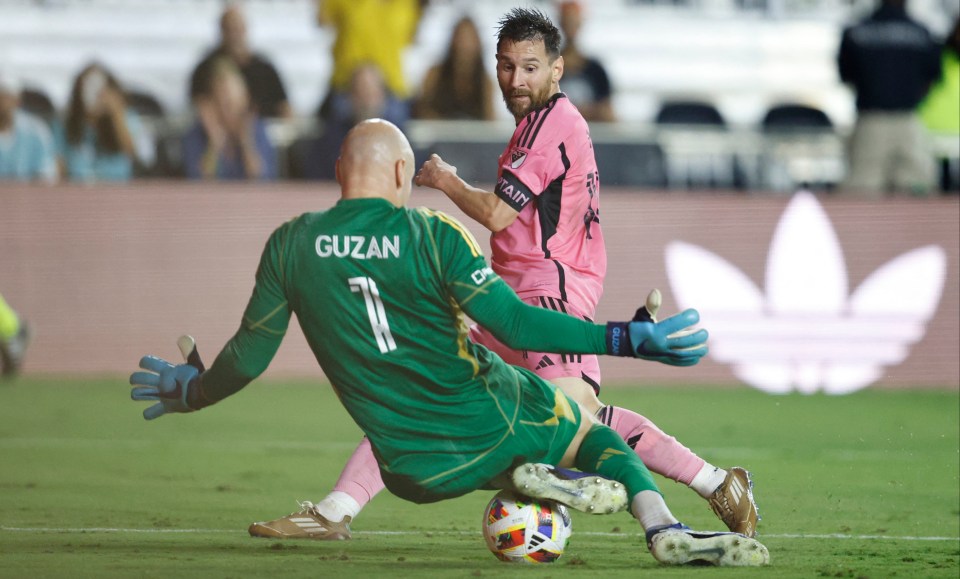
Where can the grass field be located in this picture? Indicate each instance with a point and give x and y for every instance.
(866, 485)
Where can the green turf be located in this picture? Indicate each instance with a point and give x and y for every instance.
(859, 486)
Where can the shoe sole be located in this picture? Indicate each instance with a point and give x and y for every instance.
(722, 550)
(262, 531)
(590, 494)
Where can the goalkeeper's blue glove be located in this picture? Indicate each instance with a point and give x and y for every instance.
(672, 341)
(174, 388)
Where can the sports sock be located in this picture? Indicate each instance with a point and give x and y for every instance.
(603, 452)
(708, 479)
(337, 505)
(9, 322)
(360, 479)
(662, 453)
(651, 510)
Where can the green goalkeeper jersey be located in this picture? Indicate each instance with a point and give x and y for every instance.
(381, 294)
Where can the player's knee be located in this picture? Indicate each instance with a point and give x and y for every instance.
(580, 392)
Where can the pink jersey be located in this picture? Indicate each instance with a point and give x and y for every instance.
(549, 175)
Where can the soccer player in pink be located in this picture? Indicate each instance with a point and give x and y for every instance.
(547, 244)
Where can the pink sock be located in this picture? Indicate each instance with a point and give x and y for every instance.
(659, 451)
(361, 476)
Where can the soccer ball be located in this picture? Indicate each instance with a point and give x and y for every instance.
(518, 529)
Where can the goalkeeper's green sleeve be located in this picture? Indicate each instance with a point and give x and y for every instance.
(525, 327)
(243, 358)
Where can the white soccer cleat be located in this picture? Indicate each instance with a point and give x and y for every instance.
(679, 545)
(588, 493)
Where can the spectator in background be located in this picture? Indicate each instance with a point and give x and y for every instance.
(228, 140)
(940, 111)
(368, 98)
(585, 80)
(27, 151)
(14, 338)
(267, 94)
(458, 87)
(369, 32)
(891, 61)
(101, 138)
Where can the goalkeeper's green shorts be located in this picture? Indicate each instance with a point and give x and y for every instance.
(546, 425)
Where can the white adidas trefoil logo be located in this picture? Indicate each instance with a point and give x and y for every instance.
(807, 333)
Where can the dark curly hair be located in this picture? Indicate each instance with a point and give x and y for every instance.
(529, 24)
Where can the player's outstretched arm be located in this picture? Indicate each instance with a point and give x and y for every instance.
(674, 341)
(174, 388)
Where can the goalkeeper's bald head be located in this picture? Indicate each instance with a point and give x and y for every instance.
(376, 160)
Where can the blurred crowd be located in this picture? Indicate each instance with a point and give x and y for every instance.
(907, 84)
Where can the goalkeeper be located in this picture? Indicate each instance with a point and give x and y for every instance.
(548, 246)
(380, 292)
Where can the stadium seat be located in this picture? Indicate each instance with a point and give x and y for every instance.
(145, 104)
(689, 113)
(698, 147)
(169, 161)
(795, 117)
(297, 160)
(801, 149)
(631, 165)
(152, 114)
(475, 161)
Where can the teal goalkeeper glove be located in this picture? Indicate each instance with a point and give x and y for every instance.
(672, 341)
(174, 388)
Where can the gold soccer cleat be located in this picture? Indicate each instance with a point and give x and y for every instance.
(733, 502)
(307, 523)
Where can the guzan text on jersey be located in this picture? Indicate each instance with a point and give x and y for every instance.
(358, 246)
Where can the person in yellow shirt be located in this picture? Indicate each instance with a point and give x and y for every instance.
(940, 110)
(368, 32)
(14, 336)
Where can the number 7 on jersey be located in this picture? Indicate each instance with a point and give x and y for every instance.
(378, 317)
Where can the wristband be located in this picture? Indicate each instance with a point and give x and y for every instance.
(195, 399)
(618, 339)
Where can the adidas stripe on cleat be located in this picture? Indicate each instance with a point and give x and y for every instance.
(588, 493)
(307, 523)
(733, 502)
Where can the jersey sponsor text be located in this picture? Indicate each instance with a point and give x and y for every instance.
(481, 275)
